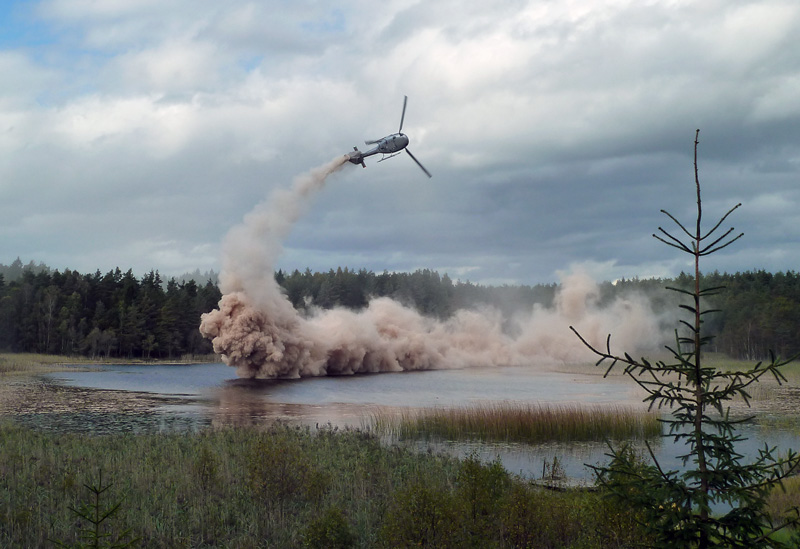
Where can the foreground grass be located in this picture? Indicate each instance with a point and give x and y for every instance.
(520, 422)
(284, 487)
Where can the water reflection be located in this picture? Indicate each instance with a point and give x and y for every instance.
(246, 404)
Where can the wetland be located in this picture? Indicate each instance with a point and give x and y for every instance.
(142, 398)
(198, 457)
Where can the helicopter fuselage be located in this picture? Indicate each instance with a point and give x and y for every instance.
(391, 144)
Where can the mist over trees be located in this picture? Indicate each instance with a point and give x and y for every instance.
(117, 315)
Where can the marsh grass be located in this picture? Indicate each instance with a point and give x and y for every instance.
(782, 500)
(25, 363)
(30, 363)
(212, 489)
(519, 422)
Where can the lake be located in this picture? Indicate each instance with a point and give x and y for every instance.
(114, 398)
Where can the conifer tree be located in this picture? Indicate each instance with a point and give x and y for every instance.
(717, 500)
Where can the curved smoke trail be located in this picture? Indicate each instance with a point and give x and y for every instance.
(257, 330)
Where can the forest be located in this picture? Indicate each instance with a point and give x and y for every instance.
(101, 315)
(117, 315)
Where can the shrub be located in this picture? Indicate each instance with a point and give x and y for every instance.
(280, 471)
(422, 515)
(480, 489)
(329, 531)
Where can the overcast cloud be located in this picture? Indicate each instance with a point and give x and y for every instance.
(137, 133)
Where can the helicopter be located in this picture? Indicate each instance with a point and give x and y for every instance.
(388, 146)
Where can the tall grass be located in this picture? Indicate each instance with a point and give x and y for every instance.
(282, 487)
(28, 363)
(519, 422)
(782, 500)
(32, 363)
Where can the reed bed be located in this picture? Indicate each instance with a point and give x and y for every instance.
(519, 422)
(27, 363)
(782, 500)
(32, 363)
(282, 487)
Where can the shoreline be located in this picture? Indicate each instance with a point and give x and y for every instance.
(13, 364)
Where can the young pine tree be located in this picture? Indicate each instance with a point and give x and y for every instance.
(717, 500)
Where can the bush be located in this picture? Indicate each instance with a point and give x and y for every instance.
(281, 472)
(480, 489)
(422, 515)
(330, 531)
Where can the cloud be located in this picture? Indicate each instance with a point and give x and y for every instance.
(555, 131)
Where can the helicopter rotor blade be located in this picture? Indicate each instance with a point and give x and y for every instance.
(414, 158)
(403, 116)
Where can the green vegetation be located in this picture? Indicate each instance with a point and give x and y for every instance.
(331, 531)
(97, 514)
(784, 499)
(717, 501)
(428, 292)
(24, 363)
(283, 487)
(103, 316)
(31, 363)
(519, 422)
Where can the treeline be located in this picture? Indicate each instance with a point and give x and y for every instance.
(760, 313)
(118, 315)
(103, 315)
(757, 312)
(16, 268)
(427, 291)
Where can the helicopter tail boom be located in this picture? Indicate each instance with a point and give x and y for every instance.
(356, 157)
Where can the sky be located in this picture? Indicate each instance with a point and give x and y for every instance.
(137, 133)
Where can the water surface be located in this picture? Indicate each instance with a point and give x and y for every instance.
(164, 397)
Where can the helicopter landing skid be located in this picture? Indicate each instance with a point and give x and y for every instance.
(385, 157)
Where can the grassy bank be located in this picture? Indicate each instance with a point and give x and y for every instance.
(29, 363)
(519, 422)
(26, 363)
(282, 487)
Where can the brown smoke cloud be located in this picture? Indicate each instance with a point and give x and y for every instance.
(258, 331)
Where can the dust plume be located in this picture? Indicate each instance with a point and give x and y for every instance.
(258, 331)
